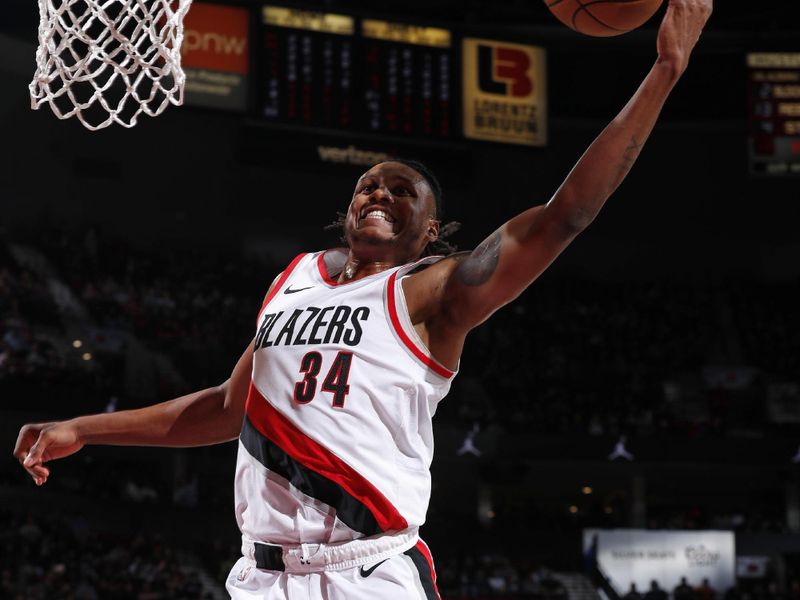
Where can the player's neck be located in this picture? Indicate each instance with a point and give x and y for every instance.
(355, 269)
(366, 260)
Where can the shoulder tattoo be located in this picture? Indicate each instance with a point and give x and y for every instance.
(478, 266)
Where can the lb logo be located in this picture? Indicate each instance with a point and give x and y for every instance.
(504, 71)
(505, 92)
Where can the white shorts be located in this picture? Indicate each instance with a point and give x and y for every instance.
(386, 569)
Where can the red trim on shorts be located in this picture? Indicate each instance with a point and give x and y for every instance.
(323, 270)
(281, 280)
(272, 424)
(421, 354)
(423, 548)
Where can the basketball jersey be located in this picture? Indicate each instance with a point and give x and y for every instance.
(337, 440)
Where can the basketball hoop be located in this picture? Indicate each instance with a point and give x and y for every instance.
(108, 61)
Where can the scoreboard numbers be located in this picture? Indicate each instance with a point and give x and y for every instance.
(336, 71)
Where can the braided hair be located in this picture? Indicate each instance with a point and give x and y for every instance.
(438, 246)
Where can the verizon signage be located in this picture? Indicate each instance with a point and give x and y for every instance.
(215, 56)
(641, 556)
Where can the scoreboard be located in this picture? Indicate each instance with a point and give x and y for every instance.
(774, 113)
(339, 71)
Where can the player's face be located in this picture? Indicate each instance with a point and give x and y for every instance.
(393, 207)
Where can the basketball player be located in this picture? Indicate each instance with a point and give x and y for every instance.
(333, 400)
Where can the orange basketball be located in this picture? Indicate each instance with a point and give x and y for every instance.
(603, 18)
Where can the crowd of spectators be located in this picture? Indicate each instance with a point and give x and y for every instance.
(609, 358)
(600, 358)
(196, 307)
(764, 516)
(495, 575)
(767, 320)
(683, 591)
(46, 557)
(25, 354)
(596, 356)
(43, 558)
(195, 311)
(73, 557)
(755, 589)
(26, 313)
(34, 359)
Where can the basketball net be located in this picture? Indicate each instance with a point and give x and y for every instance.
(108, 61)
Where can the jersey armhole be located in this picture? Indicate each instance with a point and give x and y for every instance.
(401, 323)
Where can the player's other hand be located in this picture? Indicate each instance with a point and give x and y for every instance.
(681, 28)
(38, 443)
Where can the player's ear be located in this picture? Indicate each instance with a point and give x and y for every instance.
(433, 230)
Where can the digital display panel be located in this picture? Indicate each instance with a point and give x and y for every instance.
(774, 113)
(339, 71)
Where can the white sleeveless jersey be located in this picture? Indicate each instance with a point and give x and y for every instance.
(337, 440)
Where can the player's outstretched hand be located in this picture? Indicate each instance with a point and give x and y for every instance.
(681, 28)
(38, 443)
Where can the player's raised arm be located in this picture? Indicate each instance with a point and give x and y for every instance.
(501, 267)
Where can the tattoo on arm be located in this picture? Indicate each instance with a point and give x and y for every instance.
(629, 157)
(478, 267)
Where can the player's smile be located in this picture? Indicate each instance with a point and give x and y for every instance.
(376, 215)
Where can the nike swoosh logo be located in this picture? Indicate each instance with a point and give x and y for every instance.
(289, 290)
(367, 572)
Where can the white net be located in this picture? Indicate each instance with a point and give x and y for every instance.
(108, 61)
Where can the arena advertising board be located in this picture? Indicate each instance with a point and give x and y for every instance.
(216, 56)
(641, 556)
(505, 92)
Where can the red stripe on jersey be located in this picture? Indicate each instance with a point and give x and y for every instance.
(421, 354)
(285, 434)
(281, 280)
(323, 270)
(423, 548)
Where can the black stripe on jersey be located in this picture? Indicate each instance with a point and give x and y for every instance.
(351, 511)
(424, 570)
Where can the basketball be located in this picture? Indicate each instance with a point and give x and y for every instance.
(603, 18)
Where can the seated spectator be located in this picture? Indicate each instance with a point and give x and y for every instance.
(633, 593)
(683, 591)
(655, 592)
(704, 591)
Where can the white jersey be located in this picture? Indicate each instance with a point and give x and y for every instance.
(337, 441)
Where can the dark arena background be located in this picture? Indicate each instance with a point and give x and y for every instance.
(634, 417)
